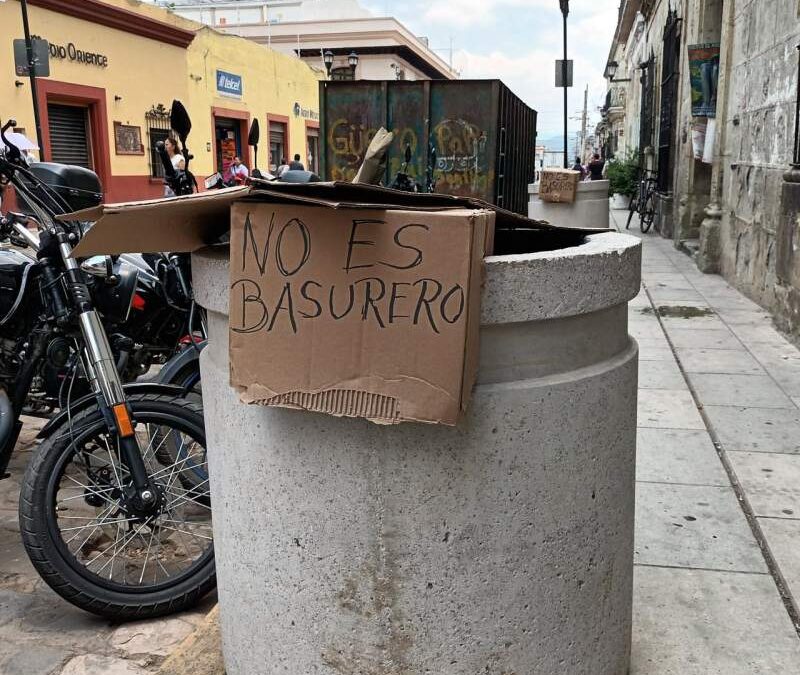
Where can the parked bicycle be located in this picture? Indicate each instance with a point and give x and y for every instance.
(643, 202)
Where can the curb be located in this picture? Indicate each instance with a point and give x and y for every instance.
(200, 653)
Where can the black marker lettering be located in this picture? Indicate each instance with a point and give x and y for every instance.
(452, 293)
(369, 300)
(423, 300)
(349, 307)
(394, 297)
(417, 259)
(249, 236)
(310, 299)
(248, 299)
(363, 242)
(306, 247)
(285, 293)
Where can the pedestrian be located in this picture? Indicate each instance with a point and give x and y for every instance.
(296, 164)
(579, 168)
(238, 172)
(596, 167)
(283, 168)
(177, 159)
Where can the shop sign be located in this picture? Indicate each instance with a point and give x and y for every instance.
(229, 84)
(305, 113)
(71, 52)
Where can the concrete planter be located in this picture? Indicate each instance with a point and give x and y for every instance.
(620, 202)
(504, 545)
(589, 210)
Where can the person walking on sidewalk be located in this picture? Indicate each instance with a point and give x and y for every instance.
(296, 164)
(579, 168)
(596, 167)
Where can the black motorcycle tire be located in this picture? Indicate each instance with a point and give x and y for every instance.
(65, 577)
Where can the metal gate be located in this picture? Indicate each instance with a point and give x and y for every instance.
(647, 79)
(69, 134)
(669, 89)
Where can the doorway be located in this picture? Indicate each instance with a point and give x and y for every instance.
(228, 142)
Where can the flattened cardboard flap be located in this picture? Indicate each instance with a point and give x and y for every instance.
(177, 224)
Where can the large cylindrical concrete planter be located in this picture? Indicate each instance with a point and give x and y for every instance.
(589, 210)
(503, 545)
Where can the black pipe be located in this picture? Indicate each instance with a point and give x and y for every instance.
(564, 71)
(32, 75)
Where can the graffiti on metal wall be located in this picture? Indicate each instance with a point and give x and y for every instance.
(462, 164)
(348, 143)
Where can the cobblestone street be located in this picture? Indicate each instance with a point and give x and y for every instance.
(41, 634)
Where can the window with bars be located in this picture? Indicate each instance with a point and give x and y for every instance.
(158, 128)
(647, 80)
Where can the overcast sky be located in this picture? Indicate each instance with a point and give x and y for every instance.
(518, 41)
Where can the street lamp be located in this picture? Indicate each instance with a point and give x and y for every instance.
(611, 71)
(564, 4)
(327, 59)
(352, 59)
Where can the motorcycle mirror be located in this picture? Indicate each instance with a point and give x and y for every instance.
(255, 134)
(408, 154)
(179, 120)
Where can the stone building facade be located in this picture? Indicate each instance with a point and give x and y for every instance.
(722, 193)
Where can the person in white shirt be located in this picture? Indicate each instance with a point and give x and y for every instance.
(177, 159)
(239, 172)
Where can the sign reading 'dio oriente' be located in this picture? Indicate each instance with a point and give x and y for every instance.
(229, 84)
(356, 312)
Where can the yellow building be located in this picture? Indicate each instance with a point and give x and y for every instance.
(116, 66)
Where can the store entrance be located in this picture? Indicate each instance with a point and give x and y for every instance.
(70, 134)
(228, 142)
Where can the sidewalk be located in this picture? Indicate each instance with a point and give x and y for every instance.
(717, 578)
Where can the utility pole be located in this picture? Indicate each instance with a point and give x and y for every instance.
(565, 12)
(583, 123)
(32, 73)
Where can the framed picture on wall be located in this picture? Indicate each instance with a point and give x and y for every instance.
(128, 139)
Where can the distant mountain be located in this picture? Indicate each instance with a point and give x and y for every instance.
(552, 142)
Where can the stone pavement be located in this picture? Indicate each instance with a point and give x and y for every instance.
(717, 577)
(41, 634)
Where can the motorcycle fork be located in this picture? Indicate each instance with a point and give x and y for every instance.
(106, 383)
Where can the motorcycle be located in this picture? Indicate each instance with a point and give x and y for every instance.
(112, 513)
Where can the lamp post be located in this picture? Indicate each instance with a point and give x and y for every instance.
(32, 73)
(352, 59)
(565, 12)
(327, 59)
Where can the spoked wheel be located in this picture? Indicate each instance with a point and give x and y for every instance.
(87, 538)
(647, 214)
(632, 208)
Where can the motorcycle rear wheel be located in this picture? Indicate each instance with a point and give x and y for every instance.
(86, 541)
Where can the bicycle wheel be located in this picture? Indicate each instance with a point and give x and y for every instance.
(90, 543)
(647, 214)
(632, 208)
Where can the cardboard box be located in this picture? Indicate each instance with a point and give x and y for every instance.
(407, 347)
(558, 185)
(358, 313)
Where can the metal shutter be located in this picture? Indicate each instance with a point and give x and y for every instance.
(69, 134)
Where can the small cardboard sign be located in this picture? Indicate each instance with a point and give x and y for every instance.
(558, 185)
(357, 313)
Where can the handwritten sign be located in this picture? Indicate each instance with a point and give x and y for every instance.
(558, 185)
(354, 312)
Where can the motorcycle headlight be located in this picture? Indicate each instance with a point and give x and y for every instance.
(114, 299)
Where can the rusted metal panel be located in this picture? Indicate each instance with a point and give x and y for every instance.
(484, 136)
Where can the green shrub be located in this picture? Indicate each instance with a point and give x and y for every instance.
(622, 174)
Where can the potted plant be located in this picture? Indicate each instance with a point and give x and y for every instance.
(622, 174)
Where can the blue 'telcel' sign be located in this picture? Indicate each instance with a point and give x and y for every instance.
(229, 84)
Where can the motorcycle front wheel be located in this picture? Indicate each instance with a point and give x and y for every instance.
(87, 541)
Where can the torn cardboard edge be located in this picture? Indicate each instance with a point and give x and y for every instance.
(190, 222)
